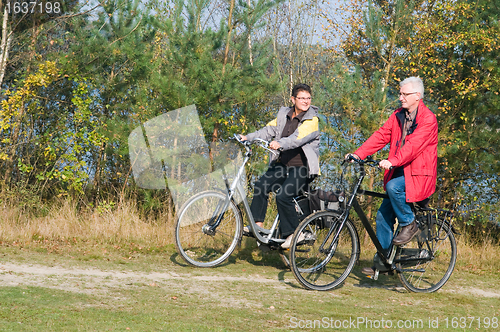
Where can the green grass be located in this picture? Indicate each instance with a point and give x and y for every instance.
(63, 286)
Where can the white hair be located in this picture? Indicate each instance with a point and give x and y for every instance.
(416, 83)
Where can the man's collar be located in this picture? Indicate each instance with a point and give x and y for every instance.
(412, 114)
(407, 112)
(299, 116)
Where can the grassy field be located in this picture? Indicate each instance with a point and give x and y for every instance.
(113, 272)
(85, 286)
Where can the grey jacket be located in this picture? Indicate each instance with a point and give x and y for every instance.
(306, 136)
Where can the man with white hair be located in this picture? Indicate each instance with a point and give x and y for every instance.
(411, 168)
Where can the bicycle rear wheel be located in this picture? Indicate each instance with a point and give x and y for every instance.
(195, 241)
(313, 263)
(432, 256)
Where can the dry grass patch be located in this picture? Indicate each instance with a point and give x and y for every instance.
(122, 225)
(64, 221)
(478, 257)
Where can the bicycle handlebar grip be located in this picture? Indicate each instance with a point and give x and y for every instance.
(351, 157)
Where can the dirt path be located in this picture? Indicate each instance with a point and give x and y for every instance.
(95, 280)
(91, 280)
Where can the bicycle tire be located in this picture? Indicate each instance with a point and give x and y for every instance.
(428, 275)
(194, 243)
(319, 270)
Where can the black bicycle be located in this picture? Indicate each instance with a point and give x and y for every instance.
(326, 259)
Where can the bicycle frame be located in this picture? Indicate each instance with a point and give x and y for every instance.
(353, 203)
(235, 188)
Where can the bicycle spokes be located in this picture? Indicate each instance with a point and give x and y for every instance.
(322, 264)
(208, 229)
(426, 265)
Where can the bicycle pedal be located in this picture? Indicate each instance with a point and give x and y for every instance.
(263, 247)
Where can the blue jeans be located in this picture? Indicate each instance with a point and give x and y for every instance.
(393, 207)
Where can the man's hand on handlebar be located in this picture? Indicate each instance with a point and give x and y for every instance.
(385, 164)
(349, 157)
(243, 138)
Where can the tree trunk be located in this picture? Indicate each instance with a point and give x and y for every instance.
(250, 40)
(230, 29)
(16, 128)
(4, 45)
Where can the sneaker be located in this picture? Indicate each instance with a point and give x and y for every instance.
(302, 237)
(288, 242)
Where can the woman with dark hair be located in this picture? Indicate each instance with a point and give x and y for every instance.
(295, 133)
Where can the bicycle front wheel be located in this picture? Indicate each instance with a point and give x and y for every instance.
(316, 262)
(196, 240)
(426, 263)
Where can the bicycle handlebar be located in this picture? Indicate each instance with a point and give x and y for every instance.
(368, 161)
(257, 141)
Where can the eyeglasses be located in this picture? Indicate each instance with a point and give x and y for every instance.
(406, 94)
(303, 98)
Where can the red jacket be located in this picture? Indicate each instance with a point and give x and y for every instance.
(418, 155)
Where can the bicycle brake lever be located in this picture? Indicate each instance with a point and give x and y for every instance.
(273, 151)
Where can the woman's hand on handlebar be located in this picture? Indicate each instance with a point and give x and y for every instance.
(274, 145)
